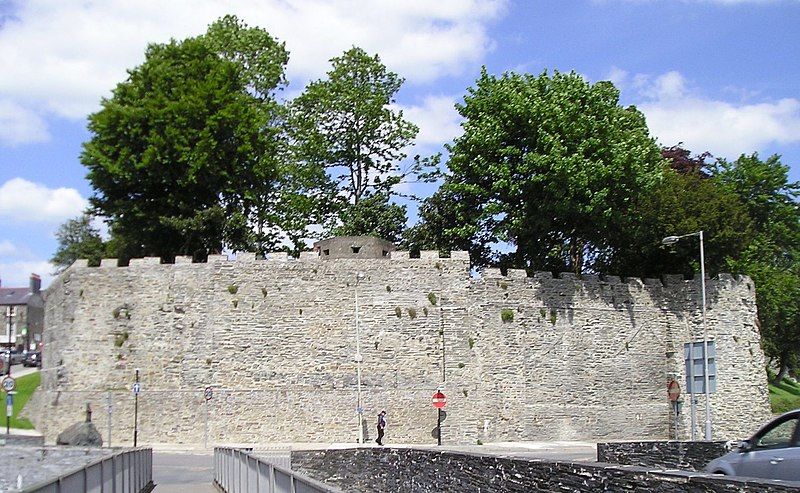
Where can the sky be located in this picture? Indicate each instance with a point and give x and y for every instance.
(718, 75)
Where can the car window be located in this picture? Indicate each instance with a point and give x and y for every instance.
(778, 436)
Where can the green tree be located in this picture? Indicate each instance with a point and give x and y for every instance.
(188, 153)
(549, 164)
(78, 239)
(772, 259)
(374, 215)
(687, 199)
(345, 124)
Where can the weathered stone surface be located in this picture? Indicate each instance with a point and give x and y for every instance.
(420, 471)
(691, 456)
(521, 358)
(83, 434)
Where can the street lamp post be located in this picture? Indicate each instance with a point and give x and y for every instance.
(670, 240)
(359, 404)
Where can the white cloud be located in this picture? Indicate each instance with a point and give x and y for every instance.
(617, 76)
(25, 201)
(678, 113)
(16, 274)
(62, 56)
(19, 125)
(437, 119)
(8, 249)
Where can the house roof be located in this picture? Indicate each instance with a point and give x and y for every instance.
(14, 296)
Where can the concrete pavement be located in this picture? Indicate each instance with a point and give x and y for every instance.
(179, 472)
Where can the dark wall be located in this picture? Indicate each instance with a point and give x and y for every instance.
(408, 470)
(692, 456)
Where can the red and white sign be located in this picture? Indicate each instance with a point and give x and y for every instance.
(673, 390)
(439, 400)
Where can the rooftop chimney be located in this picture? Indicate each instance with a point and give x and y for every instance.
(36, 283)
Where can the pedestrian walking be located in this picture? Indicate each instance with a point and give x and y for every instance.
(381, 427)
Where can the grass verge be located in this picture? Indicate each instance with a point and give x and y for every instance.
(784, 396)
(25, 387)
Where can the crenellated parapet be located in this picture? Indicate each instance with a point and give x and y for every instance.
(523, 356)
(271, 257)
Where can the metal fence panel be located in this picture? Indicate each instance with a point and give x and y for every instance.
(283, 481)
(264, 477)
(74, 482)
(108, 475)
(124, 472)
(238, 471)
(94, 478)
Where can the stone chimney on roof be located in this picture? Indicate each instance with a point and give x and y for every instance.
(36, 283)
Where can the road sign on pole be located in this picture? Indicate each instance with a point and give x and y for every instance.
(673, 390)
(208, 393)
(439, 400)
(136, 388)
(9, 384)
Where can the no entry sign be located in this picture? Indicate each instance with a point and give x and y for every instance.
(673, 390)
(439, 400)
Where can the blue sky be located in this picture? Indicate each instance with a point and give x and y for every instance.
(718, 75)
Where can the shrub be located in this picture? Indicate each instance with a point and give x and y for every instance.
(412, 312)
(233, 289)
(432, 298)
(507, 315)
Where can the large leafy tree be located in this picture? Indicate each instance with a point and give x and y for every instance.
(78, 239)
(772, 258)
(687, 199)
(187, 155)
(548, 164)
(345, 123)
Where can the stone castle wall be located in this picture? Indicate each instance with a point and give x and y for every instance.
(520, 358)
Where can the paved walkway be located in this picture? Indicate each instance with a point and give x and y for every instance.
(179, 472)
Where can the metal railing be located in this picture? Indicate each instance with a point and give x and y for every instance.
(238, 471)
(130, 471)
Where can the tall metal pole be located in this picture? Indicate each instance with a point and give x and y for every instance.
(136, 413)
(359, 407)
(9, 319)
(705, 339)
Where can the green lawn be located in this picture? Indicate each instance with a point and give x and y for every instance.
(785, 396)
(25, 387)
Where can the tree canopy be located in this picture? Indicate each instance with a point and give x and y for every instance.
(186, 153)
(78, 239)
(548, 164)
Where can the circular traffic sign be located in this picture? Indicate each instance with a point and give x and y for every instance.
(137, 388)
(208, 393)
(673, 390)
(9, 384)
(439, 400)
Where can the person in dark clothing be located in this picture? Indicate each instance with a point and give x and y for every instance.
(381, 427)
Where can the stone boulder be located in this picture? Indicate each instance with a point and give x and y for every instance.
(83, 434)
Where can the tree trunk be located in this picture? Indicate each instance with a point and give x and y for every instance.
(781, 373)
(576, 255)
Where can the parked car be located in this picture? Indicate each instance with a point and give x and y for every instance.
(16, 356)
(33, 358)
(772, 453)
